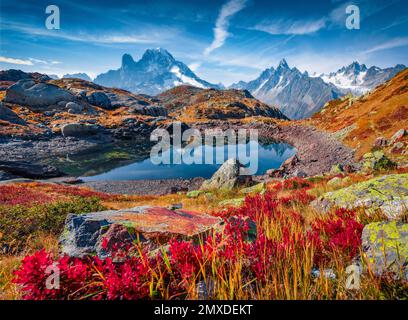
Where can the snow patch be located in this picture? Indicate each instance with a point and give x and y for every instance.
(183, 79)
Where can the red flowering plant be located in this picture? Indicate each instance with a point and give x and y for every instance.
(262, 243)
(339, 233)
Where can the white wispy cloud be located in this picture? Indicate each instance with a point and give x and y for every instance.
(146, 37)
(47, 62)
(194, 66)
(16, 61)
(334, 19)
(289, 27)
(228, 10)
(394, 43)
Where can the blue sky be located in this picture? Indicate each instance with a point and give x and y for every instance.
(222, 41)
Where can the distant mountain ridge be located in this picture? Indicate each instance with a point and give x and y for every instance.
(82, 76)
(154, 73)
(358, 79)
(295, 93)
(299, 95)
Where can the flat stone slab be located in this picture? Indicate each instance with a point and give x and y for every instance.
(84, 233)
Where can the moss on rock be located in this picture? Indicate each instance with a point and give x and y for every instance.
(385, 245)
(388, 193)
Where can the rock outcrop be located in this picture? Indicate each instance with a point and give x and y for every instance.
(385, 245)
(36, 96)
(153, 226)
(8, 115)
(29, 170)
(376, 160)
(387, 193)
(79, 130)
(99, 99)
(153, 111)
(228, 176)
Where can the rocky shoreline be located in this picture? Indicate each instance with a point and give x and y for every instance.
(317, 152)
(146, 187)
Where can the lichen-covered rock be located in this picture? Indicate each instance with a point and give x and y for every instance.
(232, 202)
(194, 194)
(334, 182)
(336, 169)
(83, 234)
(227, 177)
(376, 160)
(388, 193)
(258, 188)
(385, 245)
(346, 180)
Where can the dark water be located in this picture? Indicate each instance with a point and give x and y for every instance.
(126, 164)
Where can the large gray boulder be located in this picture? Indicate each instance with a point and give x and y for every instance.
(227, 177)
(99, 99)
(29, 170)
(125, 100)
(99, 232)
(388, 193)
(154, 111)
(79, 130)
(74, 108)
(8, 115)
(385, 245)
(36, 96)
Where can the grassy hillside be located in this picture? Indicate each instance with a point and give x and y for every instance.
(359, 121)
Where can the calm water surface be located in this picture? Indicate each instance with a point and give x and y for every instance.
(142, 167)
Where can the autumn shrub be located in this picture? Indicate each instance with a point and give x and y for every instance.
(274, 261)
(17, 195)
(339, 233)
(30, 194)
(19, 223)
(293, 184)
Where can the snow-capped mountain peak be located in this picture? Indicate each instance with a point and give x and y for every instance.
(295, 93)
(283, 64)
(155, 72)
(358, 79)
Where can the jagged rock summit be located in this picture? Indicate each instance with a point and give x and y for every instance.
(154, 73)
(295, 93)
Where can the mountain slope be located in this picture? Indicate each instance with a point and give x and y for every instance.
(296, 94)
(358, 79)
(190, 104)
(155, 72)
(359, 121)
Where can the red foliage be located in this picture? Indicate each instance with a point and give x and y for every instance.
(80, 192)
(136, 277)
(292, 184)
(19, 195)
(340, 233)
(40, 193)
